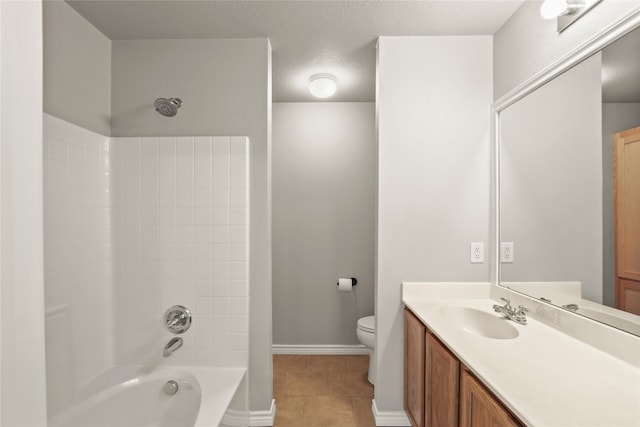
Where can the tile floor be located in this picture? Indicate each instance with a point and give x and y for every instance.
(322, 391)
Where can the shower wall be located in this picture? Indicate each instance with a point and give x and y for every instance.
(180, 237)
(171, 213)
(106, 86)
(78, 291)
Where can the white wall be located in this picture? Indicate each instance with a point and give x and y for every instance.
(550, 187)
(77, 69)
(324, 162)
(180, 222)
(226, 89)
(77, 263)
(616, 117)
(433, 101)
(22, 360)
(526, 44)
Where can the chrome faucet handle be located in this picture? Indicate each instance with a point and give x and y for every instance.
(522, 310)
(507, 301)
(177, 319)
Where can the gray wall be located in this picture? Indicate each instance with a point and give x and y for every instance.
(433, 103)
(77, 69)
(550, 181)
(526, 43)
(324, 162)
(225, 86)
(616, 117)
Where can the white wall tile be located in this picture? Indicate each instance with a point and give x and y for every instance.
(237, 234)
(238, 216)
(238, 270)
(221, 288)
(172, 224)
(78, 277)
(221, 252)
(238, 252)
(185, 197)
(203, 288)
(238, 288)
(221, 234)
(202, 163)
(221, 216)
(203, 216)
(184, 163)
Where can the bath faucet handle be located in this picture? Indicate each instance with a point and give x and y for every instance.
(507, 301)
(522, 310)
(177, 319)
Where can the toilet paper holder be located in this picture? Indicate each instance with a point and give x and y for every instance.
(354, 282)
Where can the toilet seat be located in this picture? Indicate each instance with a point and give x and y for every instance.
(367, 324)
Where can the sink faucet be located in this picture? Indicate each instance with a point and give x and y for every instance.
(571, 307)
(518, 315)
(172, 345)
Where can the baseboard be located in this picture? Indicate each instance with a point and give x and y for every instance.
(319, 349)
(263, 418)
(234, 418)
(389, 418)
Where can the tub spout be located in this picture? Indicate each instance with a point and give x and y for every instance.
(172, 345)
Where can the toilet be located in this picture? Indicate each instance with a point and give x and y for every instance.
(366, 333)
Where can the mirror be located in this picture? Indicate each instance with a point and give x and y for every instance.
(555, 182)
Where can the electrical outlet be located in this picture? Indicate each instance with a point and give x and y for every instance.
(506, 252)
(477, 252)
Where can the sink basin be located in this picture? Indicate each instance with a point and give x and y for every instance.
(478, 322)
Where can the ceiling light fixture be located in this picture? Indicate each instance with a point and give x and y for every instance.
(322, 85)
(566, 11)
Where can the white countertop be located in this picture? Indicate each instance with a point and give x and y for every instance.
(545, 377)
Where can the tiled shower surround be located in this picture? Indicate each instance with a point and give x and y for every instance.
(77, 259)
(133, 226)
(180, 237)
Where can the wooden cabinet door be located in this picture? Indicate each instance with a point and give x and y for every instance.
(626, 179)
(478, 407)
(414, 345)
(442, 373)
(628, 293)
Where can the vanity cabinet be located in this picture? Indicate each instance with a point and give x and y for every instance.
(414, 349)
(478, 407)
(441, 384)
(439, 391)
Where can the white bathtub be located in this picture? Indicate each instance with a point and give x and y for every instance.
(131, 397)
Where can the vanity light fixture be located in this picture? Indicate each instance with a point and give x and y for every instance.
(551, 9)
(566, 11)
(322, 85)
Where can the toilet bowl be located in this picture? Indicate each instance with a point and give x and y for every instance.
(366, 332)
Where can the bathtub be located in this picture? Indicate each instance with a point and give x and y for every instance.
(134, 397)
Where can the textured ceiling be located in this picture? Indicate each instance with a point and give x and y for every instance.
(307, 37)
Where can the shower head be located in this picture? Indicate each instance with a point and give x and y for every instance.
(167, 107)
